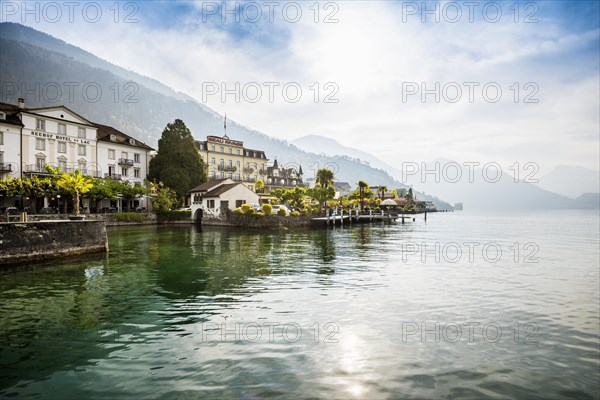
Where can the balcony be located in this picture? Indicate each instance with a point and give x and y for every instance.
(5, 167)
(36, 169)
(126, 161)
(227, 168)
(114, 177)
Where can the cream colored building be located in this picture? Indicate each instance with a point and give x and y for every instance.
(227, 158)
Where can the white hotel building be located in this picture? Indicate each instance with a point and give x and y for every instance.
(31, 138)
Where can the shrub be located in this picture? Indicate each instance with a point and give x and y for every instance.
(295, 214)
(249, 212)
(267, 209)
(238, 211)
(281, 212)
(245, 208)
(174, 215)
(128, 217)
(307, 210)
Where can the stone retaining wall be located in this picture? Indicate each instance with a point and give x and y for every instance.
(32, 241)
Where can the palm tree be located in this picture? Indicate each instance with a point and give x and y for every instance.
(381, 190)
(324, 177)
(259, 185)
(362, 187)
(75, 183)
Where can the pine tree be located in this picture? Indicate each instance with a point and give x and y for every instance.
(177, 164)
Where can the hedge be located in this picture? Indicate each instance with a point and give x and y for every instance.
(174, 215)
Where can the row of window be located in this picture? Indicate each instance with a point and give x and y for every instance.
(124, 155)
(40, 164)
(40, 125)
(238, 151)
(40, 144)
(224, 204)
(235, 177)
(213, 161)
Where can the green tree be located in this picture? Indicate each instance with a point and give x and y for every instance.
(177, 164)
(381, 190)
(324, 177)
(74, 184)
(279, 194)
(295, 196)
(103, 189)
(131, 191)
(321, 195)
(163, 199)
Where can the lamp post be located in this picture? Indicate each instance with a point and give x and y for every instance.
(58, 200)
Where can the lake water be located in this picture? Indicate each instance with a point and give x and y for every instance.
(465, 305)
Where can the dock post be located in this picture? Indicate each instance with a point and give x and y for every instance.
(425, 215)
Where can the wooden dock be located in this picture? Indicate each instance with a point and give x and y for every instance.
(363, 218)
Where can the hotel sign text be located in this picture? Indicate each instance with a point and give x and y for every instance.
(57, 137)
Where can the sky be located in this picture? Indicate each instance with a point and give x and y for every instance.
(478, 81)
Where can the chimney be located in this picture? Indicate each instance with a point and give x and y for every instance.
(21, 103)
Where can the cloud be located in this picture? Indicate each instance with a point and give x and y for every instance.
(369, 56)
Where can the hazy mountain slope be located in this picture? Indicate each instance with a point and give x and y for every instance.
(332, 147)
(21, 33)
(571, 181)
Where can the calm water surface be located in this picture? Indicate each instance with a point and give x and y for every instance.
(462, 306)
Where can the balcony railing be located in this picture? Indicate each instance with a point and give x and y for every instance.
(227, 168)
(114, 177)
(5, 167)
(36, 169)
(125, 161)
(286, 184)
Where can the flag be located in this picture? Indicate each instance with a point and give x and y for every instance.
(225, 122)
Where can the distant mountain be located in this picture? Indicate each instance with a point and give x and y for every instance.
(482, 193)
(487, 189)
(571, 181)
(588, 201)
(33, 64)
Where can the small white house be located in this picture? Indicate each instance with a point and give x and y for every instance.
(214, 197)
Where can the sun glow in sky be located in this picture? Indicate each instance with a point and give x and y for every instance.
(468, 81)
